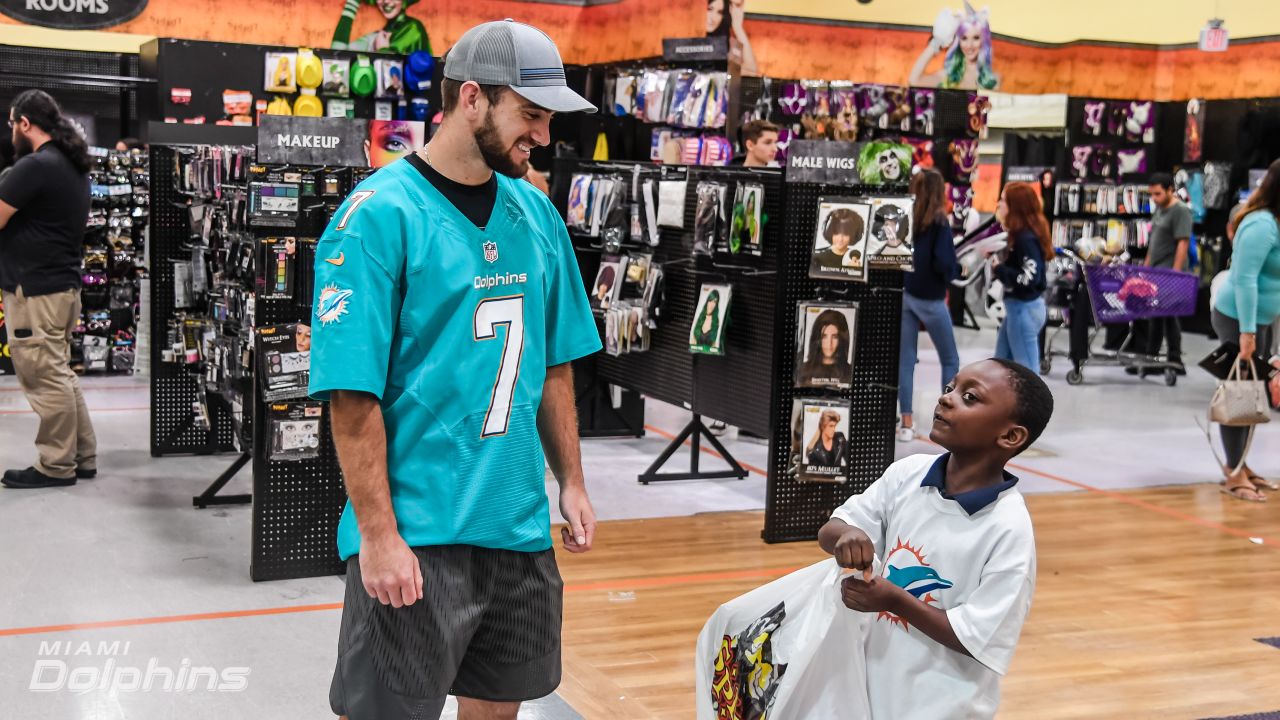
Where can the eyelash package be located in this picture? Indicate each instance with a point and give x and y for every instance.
(284, 355)
(295, 430)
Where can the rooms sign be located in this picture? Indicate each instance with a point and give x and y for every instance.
(72, 14)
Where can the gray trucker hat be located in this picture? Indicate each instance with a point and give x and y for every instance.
(505, 52)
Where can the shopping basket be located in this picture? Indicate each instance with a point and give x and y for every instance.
(1124, 293)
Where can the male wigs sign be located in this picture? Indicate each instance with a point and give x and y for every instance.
(73, 14)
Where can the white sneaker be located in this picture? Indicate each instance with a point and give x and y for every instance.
(906, 434)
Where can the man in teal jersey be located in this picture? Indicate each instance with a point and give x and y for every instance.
(448, 307)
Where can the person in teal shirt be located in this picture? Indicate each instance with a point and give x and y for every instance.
(448, 306)
(1246, 304)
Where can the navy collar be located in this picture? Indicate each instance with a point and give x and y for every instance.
(971, 501)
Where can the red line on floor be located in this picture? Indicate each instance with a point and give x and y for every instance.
(622, 584)
(92, 411)
(706, 450)
(89, 388)
(133, 622)
(1138, 502)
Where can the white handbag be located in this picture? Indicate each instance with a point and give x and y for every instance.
(1240, 401)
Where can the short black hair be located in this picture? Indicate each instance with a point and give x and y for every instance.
(450, 91)
(1164, 180)
(752, 131)
(1033, 404)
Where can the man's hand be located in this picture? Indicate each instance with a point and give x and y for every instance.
(854, 550)
(575, 507)
(390, 570)
(878, 595)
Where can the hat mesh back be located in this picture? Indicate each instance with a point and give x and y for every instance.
(493, 59)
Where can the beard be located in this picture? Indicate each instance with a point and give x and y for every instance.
(22, 146)
(495, 154)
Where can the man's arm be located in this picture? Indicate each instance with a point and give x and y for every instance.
(558, 429)
(388, 567)
(1180, 255)
(6, 212)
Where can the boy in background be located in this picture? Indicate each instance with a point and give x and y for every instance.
(760, 138)
(959, 559)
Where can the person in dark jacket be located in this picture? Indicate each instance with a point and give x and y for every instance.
(1023, 275)
(924, 297)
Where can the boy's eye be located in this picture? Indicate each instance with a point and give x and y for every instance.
(948, 389)
(970, 397)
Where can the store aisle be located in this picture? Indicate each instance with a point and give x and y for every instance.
(133, 536)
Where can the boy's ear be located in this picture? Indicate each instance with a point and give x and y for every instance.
(1013, 438)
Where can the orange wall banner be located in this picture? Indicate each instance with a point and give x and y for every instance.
(603, 33)
(824, 50)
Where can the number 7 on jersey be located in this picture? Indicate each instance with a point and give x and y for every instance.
(357, 198)
(490, 314)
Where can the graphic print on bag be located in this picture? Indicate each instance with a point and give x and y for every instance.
(905, 567)
(746, 678)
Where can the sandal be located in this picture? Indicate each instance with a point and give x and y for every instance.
(1264, 482)
(1240, 492)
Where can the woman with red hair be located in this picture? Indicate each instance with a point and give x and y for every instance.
(1023, 274)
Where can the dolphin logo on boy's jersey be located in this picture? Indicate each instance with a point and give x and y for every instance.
(918, 580)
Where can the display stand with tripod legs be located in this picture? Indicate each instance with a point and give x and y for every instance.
(693, 434)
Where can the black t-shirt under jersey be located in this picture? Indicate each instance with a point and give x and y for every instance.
(41, 246)
(474, 201)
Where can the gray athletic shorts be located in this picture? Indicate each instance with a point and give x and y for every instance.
(488, 627)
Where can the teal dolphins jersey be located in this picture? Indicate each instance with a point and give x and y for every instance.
(453, 329)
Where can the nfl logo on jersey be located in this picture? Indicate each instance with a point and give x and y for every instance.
(491, 251)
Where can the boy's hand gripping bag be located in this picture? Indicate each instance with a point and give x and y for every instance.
(786, 650)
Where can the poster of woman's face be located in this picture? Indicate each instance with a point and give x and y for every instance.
(820, 440)
(825, 345)
(707, 333)
(390, 140)
(839, 244)
(889, 244)
(604, 289)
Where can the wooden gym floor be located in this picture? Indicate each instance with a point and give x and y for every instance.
(1148, 604)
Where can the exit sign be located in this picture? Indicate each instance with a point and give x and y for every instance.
(1213, 38)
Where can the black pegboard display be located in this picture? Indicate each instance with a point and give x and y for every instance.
(731, 387)
(97, 88)
(173, 386)
(708, 385)
(795, 510)
(296, 504)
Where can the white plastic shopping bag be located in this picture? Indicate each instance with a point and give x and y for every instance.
(787, 650)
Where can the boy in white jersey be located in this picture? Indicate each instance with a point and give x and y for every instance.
(958, 560)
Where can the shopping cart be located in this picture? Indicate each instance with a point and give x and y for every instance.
(1117, 293)
(1064, 284)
